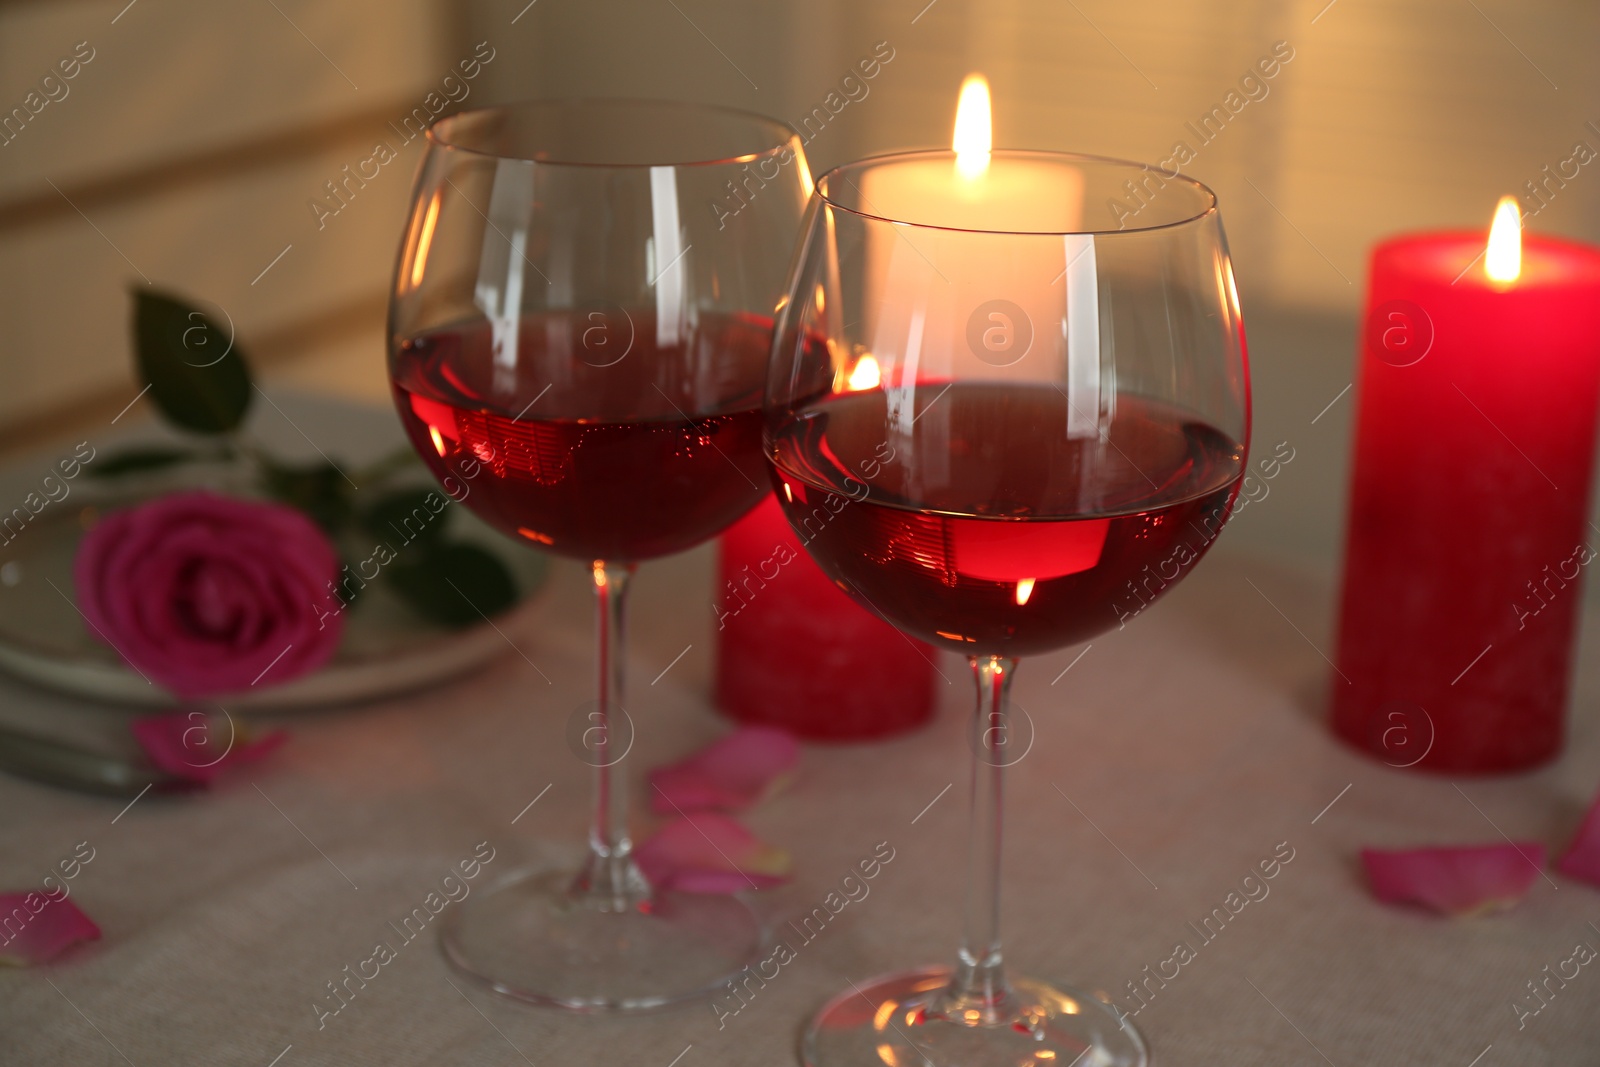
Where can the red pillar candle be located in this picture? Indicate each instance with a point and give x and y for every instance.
(1468, 530)
(794, 651)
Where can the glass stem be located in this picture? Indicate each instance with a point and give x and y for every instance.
(610, 880)
(979, 982)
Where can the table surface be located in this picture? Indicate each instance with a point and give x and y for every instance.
(1190, 745)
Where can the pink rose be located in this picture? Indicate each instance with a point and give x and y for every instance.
(207, 594)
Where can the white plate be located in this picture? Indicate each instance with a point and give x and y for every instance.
(387, 648)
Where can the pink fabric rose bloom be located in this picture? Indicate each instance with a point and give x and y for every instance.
(207, 594)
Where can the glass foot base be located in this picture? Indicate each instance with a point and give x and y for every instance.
(529, 938)
(886, 1021)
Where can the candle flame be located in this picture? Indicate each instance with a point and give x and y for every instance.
(1024, 591)
(438, 439)
(865, 374)
(974, 135)
(1503, 260)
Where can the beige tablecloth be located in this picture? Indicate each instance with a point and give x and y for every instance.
(1189, 745)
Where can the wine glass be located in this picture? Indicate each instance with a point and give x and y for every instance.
(1008, 408)
(579, 332)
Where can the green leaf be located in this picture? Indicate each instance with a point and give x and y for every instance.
(380, 471)
(318, 489)
(455, 584)
(197, 377)
(141, 459)
(403, 518)
(348, 592)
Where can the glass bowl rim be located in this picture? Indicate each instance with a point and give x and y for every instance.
(438, 133)
(868, 162)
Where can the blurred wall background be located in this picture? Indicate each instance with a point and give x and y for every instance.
(194, 141)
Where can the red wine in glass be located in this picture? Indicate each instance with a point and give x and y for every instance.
(1007, 423)
(988, 528)
(644, 471)
(578, 350)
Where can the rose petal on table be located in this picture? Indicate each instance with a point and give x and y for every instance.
(38, 927)
(198, 747)
(707, 852)
(1472, 880)
(1582, 859)
(733, 773)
